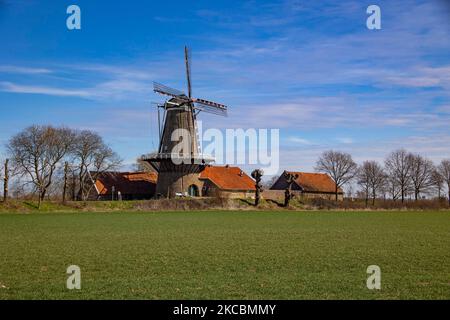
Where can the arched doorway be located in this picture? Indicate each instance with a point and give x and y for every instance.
(193, 191)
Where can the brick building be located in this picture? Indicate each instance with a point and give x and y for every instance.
(131, 185)
(307, 185)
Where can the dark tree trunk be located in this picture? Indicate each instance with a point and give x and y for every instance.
(39, 198)
(5, 182)
(290, 178)
(73, 187)
(336, 192)
(287, 195)
(257, 174)
(43, 193)
(66, 169)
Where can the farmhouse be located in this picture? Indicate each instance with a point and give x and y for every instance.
(213, 181)
(226, 182)
(216, 181)
(309, 185)
(131, 185)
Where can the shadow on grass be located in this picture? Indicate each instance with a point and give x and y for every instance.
(31, 205)
(250, 203)
(281, 205)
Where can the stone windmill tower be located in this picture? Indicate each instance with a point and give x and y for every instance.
(179, 160)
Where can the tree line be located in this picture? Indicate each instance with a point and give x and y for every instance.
(43, 157)
(401, 175)
(59, 160)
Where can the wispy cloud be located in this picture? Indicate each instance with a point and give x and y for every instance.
(299, 140)
(121, 72)
(30, 89)
(345, 140)
(88, 81)
(24, 70)
(443, 109)
(114, 89)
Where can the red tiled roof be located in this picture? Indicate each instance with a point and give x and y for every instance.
(127, 182)
(315, 182)
(228, 178)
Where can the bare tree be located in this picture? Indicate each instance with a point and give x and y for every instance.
(363, 180)
(66, 172)
(36, 153)
(339, 165)
(444, 171)
(92, 157)
(2, 162)
(372, 178)
(378, 180)
(438, 182)
(399, 165)
(87, 144)
(6, 176)
(392, 187)
(421, 174)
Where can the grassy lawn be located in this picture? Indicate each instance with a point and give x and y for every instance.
(225, 255)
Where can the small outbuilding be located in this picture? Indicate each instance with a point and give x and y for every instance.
(309, 185)
(226, 182)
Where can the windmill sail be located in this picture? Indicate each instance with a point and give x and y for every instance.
(168, 91)
(220, 111)
(187, 60)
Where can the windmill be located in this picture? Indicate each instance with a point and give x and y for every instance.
(178, 169)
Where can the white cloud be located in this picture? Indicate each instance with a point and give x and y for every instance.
(24, 70)
(345, 140)
(443, 109)
(31, 89)
(299, 140)
(107, 90)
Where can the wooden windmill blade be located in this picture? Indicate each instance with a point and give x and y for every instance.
(210, 107)
(168, 91)
(187, 60)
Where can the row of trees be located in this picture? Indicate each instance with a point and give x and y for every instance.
(41, 158)
(404, 173)
(39, 155)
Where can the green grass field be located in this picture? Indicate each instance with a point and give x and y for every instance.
(225, 255)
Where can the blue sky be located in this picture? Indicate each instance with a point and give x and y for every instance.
(310, 68)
